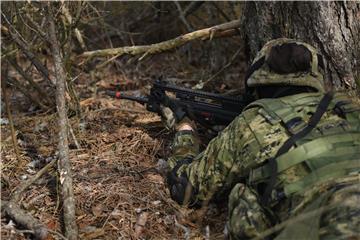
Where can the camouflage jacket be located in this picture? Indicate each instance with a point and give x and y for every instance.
(238, 155)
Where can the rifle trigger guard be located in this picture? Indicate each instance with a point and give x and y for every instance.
(179, 114)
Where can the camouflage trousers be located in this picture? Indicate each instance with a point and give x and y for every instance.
(334, 214)
(338, 217)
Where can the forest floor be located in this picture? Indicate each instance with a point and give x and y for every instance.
(114, 152)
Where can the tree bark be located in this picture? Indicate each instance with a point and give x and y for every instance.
(64, 166)
(332, 27)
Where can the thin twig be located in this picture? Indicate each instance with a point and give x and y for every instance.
(25, 49)
(57, 234)
(182, 16)
(224, 67)
(34, 26)
(9, 115)
(30, 80)
(25, 91)
(74, 137)
(77, 33)
(185, 229)
(106, 62)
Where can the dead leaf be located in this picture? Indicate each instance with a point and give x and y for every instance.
(52, 225)
(140, 224)
(156, 178)
(103, 84)
(97, 210)
(87, 102)
(91, 232)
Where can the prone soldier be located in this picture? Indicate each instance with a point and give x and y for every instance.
(290, 159)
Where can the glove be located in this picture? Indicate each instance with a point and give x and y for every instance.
(170, 122)
(167, 117)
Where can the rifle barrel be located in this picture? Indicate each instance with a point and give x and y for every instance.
(120, 95)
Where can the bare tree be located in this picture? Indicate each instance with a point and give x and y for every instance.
(64, 166)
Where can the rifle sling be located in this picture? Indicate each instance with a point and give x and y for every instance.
(254, 67)
(314, 120)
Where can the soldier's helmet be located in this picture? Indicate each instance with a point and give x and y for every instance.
(287, 62)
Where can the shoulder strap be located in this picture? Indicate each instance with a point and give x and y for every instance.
(288, 110)
(315, 118)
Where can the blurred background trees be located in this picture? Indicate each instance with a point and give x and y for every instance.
(83, 26)
(96, 25)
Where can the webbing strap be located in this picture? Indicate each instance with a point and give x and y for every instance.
(254, 67)
(289, 110)
(329, 171)
(327, 149)
(321, 109)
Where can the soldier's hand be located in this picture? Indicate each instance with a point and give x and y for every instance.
(167, 117)
(170, 122)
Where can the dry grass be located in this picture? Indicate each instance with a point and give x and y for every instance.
(114, 174)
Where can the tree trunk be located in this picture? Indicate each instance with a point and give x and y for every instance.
(332, 27)
(64, 166)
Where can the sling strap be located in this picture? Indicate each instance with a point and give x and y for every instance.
(254, 67)
(313, 121)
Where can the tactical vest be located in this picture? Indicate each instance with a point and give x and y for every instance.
(330, 150)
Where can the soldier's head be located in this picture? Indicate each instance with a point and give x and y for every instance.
(285, 67)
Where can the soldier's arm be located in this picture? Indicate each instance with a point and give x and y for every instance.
(199, 177)
(196, 178)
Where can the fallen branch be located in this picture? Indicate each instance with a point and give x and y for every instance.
(12, 209)
(207, 33)
(64, 168)
(27, 221)
(20, 189)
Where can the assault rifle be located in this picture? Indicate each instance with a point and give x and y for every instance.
(208, 109)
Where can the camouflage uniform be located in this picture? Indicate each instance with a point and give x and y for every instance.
(317, 189)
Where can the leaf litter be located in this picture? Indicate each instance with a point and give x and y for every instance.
(119, 192)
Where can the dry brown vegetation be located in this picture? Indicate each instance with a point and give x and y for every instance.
(114, 145)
